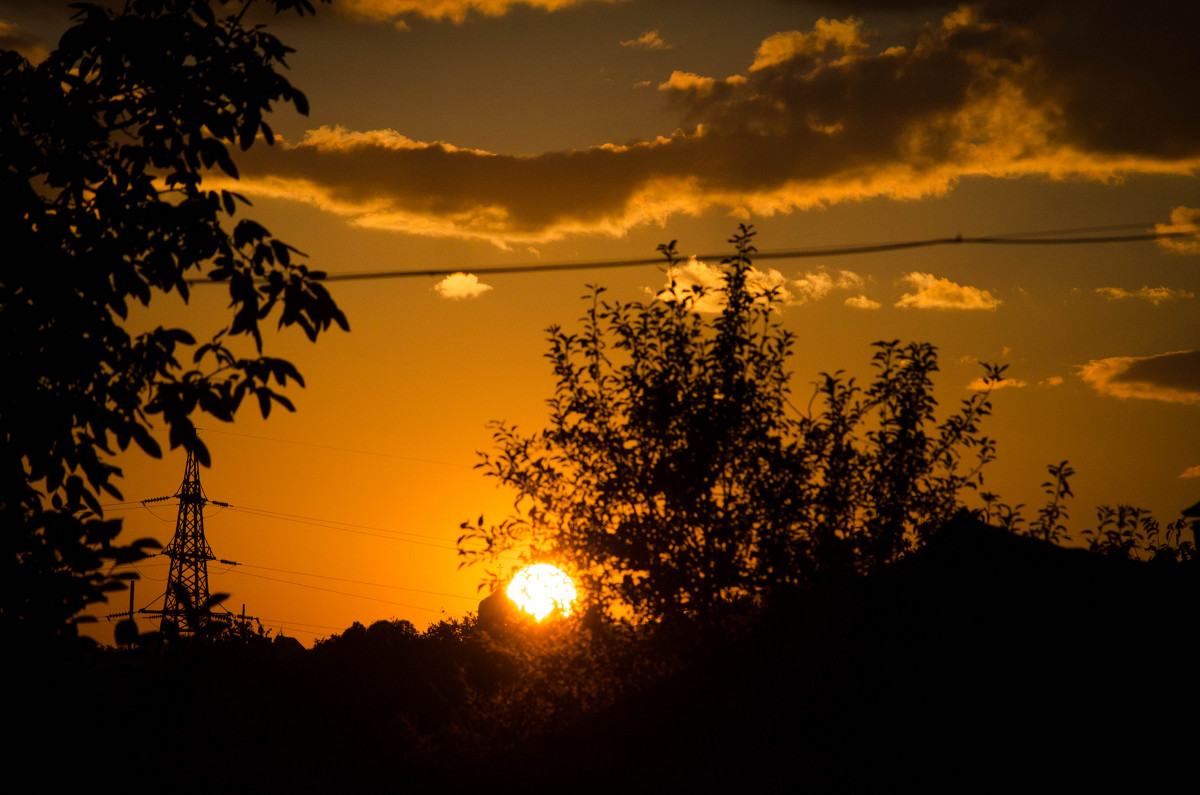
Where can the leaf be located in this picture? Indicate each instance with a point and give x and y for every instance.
(301, 102)
(264, 402)
(146, 441)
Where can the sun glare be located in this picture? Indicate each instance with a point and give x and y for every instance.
(542, 589)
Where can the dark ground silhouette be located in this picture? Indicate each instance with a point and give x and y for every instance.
(985, 660)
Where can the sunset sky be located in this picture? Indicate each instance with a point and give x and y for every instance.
(461, 134)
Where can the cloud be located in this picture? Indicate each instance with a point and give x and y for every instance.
(14, 37)
(688, 82)
(934, 293)
(812, 286)
(1191, 472)
(1154, 295)
(650, 40)
(1004, 89)
(1183, 220)
(1054, 380)
(458, 286)
(449, 10)
(1173, 377)
(828, 42)
(815, 285)
(707, 282)
(983, 384)
(861, 302)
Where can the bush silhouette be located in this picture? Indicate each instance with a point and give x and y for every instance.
(677, 481)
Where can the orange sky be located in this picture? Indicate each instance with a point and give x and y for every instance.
(449, 134)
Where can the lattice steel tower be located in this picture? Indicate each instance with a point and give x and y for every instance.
(186, 601)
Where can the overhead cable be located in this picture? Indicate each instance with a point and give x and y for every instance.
(1011, 239)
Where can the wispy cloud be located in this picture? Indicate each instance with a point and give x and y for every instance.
(1154, 295)
(1183, 219)
(930, 292)
(707, 284)
(650, 40)
(1054, 380)
(458, 286)
(1173, 377)
(449, 10)
(1003, 89)
(817, 284)
(14, 37)
(983, 384)
(861, 302)
(1191, 472)
(829, 41)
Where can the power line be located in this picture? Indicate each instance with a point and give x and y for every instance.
(349, 527)
(341, 593)
(340, 449)
(359, 582)
(1015, 239)
(346, 527)
(271, 622)
(1062, 237)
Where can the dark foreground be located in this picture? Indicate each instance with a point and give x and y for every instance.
(985, 661)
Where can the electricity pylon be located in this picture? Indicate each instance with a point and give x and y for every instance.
(186, 600)
(186, 603)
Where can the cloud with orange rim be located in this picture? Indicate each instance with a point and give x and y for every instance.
(1171, 377)
(1002, 89)
(448, 10)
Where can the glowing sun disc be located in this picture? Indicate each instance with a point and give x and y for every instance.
(542, 589)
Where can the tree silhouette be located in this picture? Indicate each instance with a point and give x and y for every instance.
(104, 147)
(676, 479)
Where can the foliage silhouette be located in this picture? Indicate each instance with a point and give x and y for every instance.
(104, 147)
(676, 480)
(1124, 531)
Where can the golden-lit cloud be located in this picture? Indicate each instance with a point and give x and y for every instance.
(811, 286)
(458, 286)
(1191, 472)
(815, 285)
(650, 40)
(1006, 89)
(1154, 295)
(1183, 220)
(688, 82)
(930, 292)
(450, 10)
(1054, 380)
(861, 302)
(1173, 377)
(14, 37)
(983, 384)
(707, 283)
(384, 180)
(829, 41)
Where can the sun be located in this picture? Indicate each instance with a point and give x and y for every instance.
(542, 589)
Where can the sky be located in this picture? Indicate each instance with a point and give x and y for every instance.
(458, 135)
